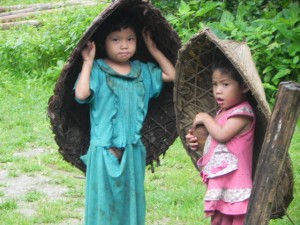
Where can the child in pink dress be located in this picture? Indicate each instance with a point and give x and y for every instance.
(226, 165)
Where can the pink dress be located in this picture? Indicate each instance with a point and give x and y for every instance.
(226, 168)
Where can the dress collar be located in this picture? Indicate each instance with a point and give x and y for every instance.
(134, 72)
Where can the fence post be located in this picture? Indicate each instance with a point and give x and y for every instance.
(274, 149)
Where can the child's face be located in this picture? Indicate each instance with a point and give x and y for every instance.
(120, 46)
(227, 91)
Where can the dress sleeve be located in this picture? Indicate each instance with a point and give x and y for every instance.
(94, 85)
(244, 109)
(156, 82)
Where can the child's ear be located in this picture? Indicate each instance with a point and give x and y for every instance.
(245, 88)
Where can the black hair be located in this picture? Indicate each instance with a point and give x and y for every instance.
(118, 22)
(225, 67)
(115, 22)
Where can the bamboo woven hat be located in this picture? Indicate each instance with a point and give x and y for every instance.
(193, 94)
(193, 85)
(70, 120)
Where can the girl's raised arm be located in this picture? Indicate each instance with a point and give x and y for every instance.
(82, 90)
(233, 127)
(164, 63)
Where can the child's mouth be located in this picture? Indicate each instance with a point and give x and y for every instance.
(124, 53)
(220, 100)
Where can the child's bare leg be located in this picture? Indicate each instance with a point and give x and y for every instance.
(117, 152)
(238, 220)
(221, 219)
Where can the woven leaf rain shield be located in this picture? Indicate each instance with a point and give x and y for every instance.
(70, 120)
(193, 94)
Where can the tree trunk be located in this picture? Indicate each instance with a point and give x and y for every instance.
(274, 150)
(6, 26)
(41, 5)
(18, 9)
(36, 11)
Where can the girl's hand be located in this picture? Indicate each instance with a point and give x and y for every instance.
(199, 119)
(191, 140)
(82, 90)
(168, 70)
(148, 40)
(88, 53)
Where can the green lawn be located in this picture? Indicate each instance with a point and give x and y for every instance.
(174, 192)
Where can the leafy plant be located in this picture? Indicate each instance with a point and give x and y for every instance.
(28, 51)
(273, 39)
(271, 28)
(191, 16)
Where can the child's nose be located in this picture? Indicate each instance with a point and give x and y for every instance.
(124, 44)
(218, 89)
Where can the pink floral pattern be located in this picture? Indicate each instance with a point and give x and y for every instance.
(243, 110)
(228, 195)
(226, 168)
(221, 162)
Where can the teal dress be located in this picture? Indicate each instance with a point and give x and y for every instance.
(118, 106)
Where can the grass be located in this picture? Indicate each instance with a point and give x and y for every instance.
(174, 192)
(38, 187)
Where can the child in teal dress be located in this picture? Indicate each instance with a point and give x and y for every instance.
(118, 91)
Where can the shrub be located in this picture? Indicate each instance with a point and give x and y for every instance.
(32, 51)
(271, 28)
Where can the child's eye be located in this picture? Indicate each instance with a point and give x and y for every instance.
(214, 84)
(131, 39)
(225, 84)
(115, 39)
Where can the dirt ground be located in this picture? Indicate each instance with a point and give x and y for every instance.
(17, 187)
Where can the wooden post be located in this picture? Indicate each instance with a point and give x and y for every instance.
(6, 26)
(275, 147)
(35, 11)
(38, 5)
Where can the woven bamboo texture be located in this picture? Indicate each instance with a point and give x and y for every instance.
(193, 94)
(70, 121)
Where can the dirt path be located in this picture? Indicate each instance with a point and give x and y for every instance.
(17, 187)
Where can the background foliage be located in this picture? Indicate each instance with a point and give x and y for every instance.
(271, 29)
